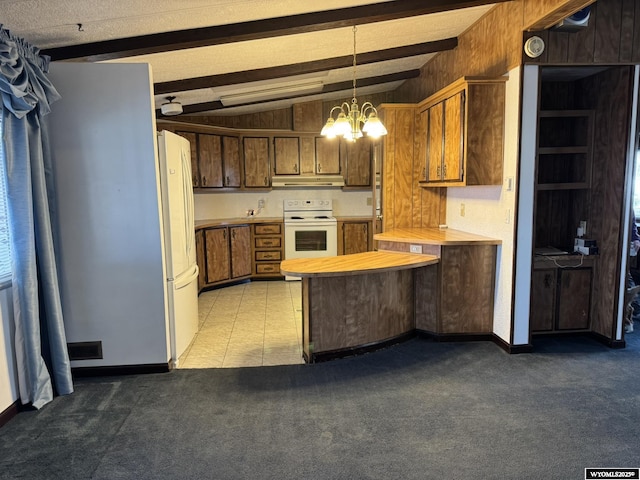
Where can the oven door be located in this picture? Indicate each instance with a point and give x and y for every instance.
(310, 239)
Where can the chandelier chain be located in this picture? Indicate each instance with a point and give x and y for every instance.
(353, 100)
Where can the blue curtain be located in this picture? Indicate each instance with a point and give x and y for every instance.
(26, 98)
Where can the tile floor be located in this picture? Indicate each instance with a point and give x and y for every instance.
(248, 325)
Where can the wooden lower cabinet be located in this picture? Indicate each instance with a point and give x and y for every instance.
(240, 251)
(201, 259)
(354, 236)
(228, 253)
(268, 249)
(561, 294)
(456, 295)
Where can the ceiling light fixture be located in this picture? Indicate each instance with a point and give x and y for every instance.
(171, 108)
(347, 124)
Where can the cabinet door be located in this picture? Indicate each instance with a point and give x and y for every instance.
(358, 162)
(256, 161)
(231, 161)
(286, 155)
(195, 170)
(543, 300)
(453, 136)
(201, 259)
(240, 251)
(217, 247)
(327, 156)
(307, 156)
(210, 160)
(355, 237)
(574, 300)
(434, 142)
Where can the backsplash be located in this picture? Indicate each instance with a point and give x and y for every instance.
(234, 205)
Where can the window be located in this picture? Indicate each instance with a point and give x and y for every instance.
(5, 252)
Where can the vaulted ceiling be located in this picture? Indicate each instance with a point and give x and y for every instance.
(227, 56)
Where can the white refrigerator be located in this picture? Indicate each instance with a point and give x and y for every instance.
(176, 192)
(123, 226)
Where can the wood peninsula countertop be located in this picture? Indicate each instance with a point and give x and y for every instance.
(220, 222)
(435, 236)
(355, 264)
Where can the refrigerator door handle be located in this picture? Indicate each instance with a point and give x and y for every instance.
(186, 278)
(188, 201)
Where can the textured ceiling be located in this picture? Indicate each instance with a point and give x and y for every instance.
(55, 24)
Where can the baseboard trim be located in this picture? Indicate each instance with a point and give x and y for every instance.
(512, 349)
(476, 337)
(359, 350)
(455, 337)
(112, 370)
(9, 412)
(609, 342)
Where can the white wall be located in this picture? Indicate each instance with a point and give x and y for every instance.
(235, 205)
(490, 210)
(8, 370)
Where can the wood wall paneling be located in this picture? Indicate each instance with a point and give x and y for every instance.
(609, 170)
(307, 117)
(542, 14)
(611, 37)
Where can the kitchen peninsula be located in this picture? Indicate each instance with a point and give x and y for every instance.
(437, 282)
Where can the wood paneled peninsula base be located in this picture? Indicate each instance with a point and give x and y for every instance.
(355, 303)
(454, 300)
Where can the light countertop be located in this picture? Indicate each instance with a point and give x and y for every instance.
(435, 236)
(355, 264)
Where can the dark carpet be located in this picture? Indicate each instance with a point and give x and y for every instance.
(420, 410)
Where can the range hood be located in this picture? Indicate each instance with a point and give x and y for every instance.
(293, 181)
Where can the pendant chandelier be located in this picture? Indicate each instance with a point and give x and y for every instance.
(347, 123)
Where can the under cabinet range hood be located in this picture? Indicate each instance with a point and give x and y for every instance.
(293, 181)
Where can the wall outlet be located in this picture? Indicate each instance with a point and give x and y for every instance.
(369, 201)
(261, 203)
(462, 209)
(415, 248)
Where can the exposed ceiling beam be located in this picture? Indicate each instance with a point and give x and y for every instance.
(303, 68)
(329, 88)
(258, 29)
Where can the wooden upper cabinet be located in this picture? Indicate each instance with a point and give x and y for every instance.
(464, 133)
(256, 162)
(231, 161)
(307, 156)
(327, 156)
(286, 155)
(210, 160)
(195, 170)
(435, 132)
(453, 138)
(357, 159)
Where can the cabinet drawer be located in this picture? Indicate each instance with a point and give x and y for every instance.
(268, 242)
(268, 268)
(267, 229)
(262, 256)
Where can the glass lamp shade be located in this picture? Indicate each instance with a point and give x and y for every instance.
(342, 125)
(373, 127)
(328, 130)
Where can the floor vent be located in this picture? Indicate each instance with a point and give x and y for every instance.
(85, 350)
